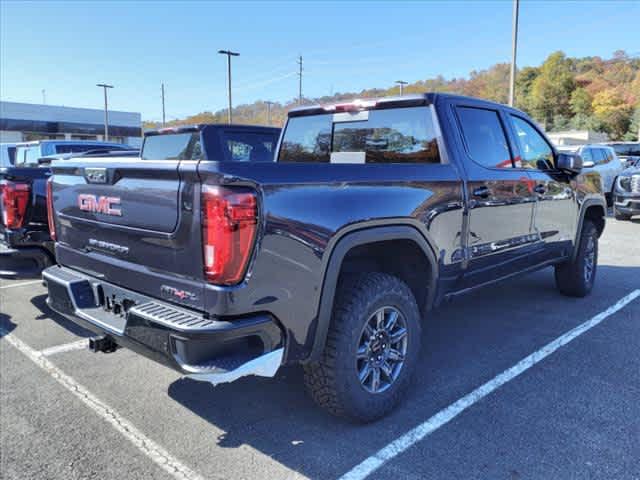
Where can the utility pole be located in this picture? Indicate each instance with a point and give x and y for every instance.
(163, 117)
(106, 110)
(44, 96)
(269, 112)
(229, 54)
(514, 47)
(402, 83)
(300, 80)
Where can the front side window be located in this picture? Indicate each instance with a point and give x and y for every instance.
(600, 156)
(395, 135)
(587, 155)
(484, 137)
(535, 152)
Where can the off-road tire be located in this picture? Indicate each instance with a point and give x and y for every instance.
(571, 278)
(333, 381)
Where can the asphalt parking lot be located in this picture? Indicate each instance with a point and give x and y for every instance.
(67, 413)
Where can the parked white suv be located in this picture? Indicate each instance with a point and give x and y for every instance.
(602, 159)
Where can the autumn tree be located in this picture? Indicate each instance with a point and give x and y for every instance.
(551, 90)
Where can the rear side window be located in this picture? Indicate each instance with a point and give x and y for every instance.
(535, 152)
(248, 147)
(484, 136)
(175, 146)
(397, 135)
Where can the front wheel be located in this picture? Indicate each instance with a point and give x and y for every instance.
(371, 349)
(576, 277)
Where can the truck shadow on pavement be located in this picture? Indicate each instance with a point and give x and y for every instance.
(6, 325)
(464, 344)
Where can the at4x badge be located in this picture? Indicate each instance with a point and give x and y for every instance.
(178, 294)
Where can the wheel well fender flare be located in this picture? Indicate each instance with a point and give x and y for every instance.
(590, 202)
(339, 252)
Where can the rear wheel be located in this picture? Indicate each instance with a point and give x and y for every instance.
(576, 277)
(371, 349)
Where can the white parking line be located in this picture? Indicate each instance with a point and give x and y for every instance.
(65, 347)
(148, 447)
(418, 433)
(22, 284)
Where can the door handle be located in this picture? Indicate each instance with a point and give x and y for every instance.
(482, 192)
(541, 189)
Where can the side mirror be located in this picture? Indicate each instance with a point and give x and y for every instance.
(569, 162)
(589, 164)
(44, 161)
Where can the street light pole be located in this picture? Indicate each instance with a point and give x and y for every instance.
(402, 83)
(514, 47)
(229, 54)
(106, 110)
(269, 112)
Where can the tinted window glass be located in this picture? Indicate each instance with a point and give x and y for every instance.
(599, 155)
(535, 152)
(484, 137)
(403, 135)
(248, 147)
(11, 151)
(178, 146)
(587, 155)
(28, 156)
(398, 135)
(307, 139)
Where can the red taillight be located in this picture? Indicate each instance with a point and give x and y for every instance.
(14, 197)
(52, 223)
(229, 223)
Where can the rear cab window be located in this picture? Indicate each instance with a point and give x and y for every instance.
(245, 146)
(392, 135)
(172, 146)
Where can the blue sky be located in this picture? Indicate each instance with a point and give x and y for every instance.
(68, 47)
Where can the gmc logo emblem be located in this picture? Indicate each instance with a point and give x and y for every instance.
(104, 205)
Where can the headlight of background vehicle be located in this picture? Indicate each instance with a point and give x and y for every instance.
(624, 184)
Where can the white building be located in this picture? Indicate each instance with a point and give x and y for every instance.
(21, 122)
(577, 137)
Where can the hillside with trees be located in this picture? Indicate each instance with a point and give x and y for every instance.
(563, 93)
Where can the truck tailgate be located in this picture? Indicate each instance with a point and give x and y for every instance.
(131, 221)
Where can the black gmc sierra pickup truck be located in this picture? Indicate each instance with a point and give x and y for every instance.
(373, 213)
